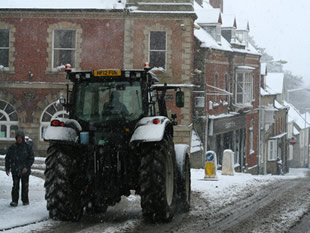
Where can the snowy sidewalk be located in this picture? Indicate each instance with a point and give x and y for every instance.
(21, 215)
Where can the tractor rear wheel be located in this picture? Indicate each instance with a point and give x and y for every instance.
(62, 185)
(158, 180)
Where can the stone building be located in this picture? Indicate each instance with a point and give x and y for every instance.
(37, 39)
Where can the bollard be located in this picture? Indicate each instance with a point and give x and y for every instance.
(228, 163)
(210, 166)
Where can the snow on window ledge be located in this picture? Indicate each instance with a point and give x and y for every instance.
(215, 105)
(210, 105)
(7, 139)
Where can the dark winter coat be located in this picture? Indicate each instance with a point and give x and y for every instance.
(19, 156)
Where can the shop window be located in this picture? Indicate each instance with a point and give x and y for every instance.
(157, 49)
(52, 111)
(64, 47)
(4, 48)
(8, 121)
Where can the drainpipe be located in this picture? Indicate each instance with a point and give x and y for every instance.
(259, 126)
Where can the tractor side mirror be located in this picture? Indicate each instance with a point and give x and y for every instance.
(179, 99)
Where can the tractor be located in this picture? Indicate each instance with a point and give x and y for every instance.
(118, 139)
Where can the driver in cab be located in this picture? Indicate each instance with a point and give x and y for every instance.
(116, 106)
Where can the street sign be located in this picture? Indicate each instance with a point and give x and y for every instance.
(292, 140)
(210, 166)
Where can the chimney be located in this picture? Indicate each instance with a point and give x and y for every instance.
(217, 4)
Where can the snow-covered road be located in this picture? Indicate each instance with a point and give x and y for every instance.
(226, 189)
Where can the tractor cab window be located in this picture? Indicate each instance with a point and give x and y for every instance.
(98, 102)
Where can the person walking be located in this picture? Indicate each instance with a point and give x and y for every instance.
(18, 161)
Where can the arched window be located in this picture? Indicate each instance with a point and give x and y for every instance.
(51, 111)
(8, 121)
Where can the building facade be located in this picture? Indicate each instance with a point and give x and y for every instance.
(37, 41)
(226, 106)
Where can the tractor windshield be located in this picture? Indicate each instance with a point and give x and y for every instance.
(102, 102)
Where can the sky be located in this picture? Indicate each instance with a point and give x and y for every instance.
(280, 26)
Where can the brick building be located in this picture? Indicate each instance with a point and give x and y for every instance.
(226, 106)
(274, 127)
(37, 40)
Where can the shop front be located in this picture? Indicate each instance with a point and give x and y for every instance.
(228, 132)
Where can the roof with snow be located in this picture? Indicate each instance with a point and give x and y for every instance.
(265, 92)
(59, 4)
(274, 82)
(207, 41)
(196, 144)
(263, 69)
(229, 21)
(208, 16)
(105, 5)
(278, 105)
(242, 24)
(295, 116)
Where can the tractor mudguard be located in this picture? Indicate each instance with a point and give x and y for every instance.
(150, 129)
(69, 132)
(180, 153)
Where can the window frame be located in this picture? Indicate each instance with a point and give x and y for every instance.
(6, 48)
(8, 123)
(216, 84)
(226, 86)
(158, 50)
(63, 49)
(246, 88)
(272, 150)
(251, 130)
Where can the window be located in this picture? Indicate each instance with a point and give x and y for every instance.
(52, 111)
(251, 129)
(105, 102)
(199, 102)
(226, 86)
(216, 84)
(64, 46)
(244, 90)
(4, 48)
(272, 149)
(157, 53)
(8, 121)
